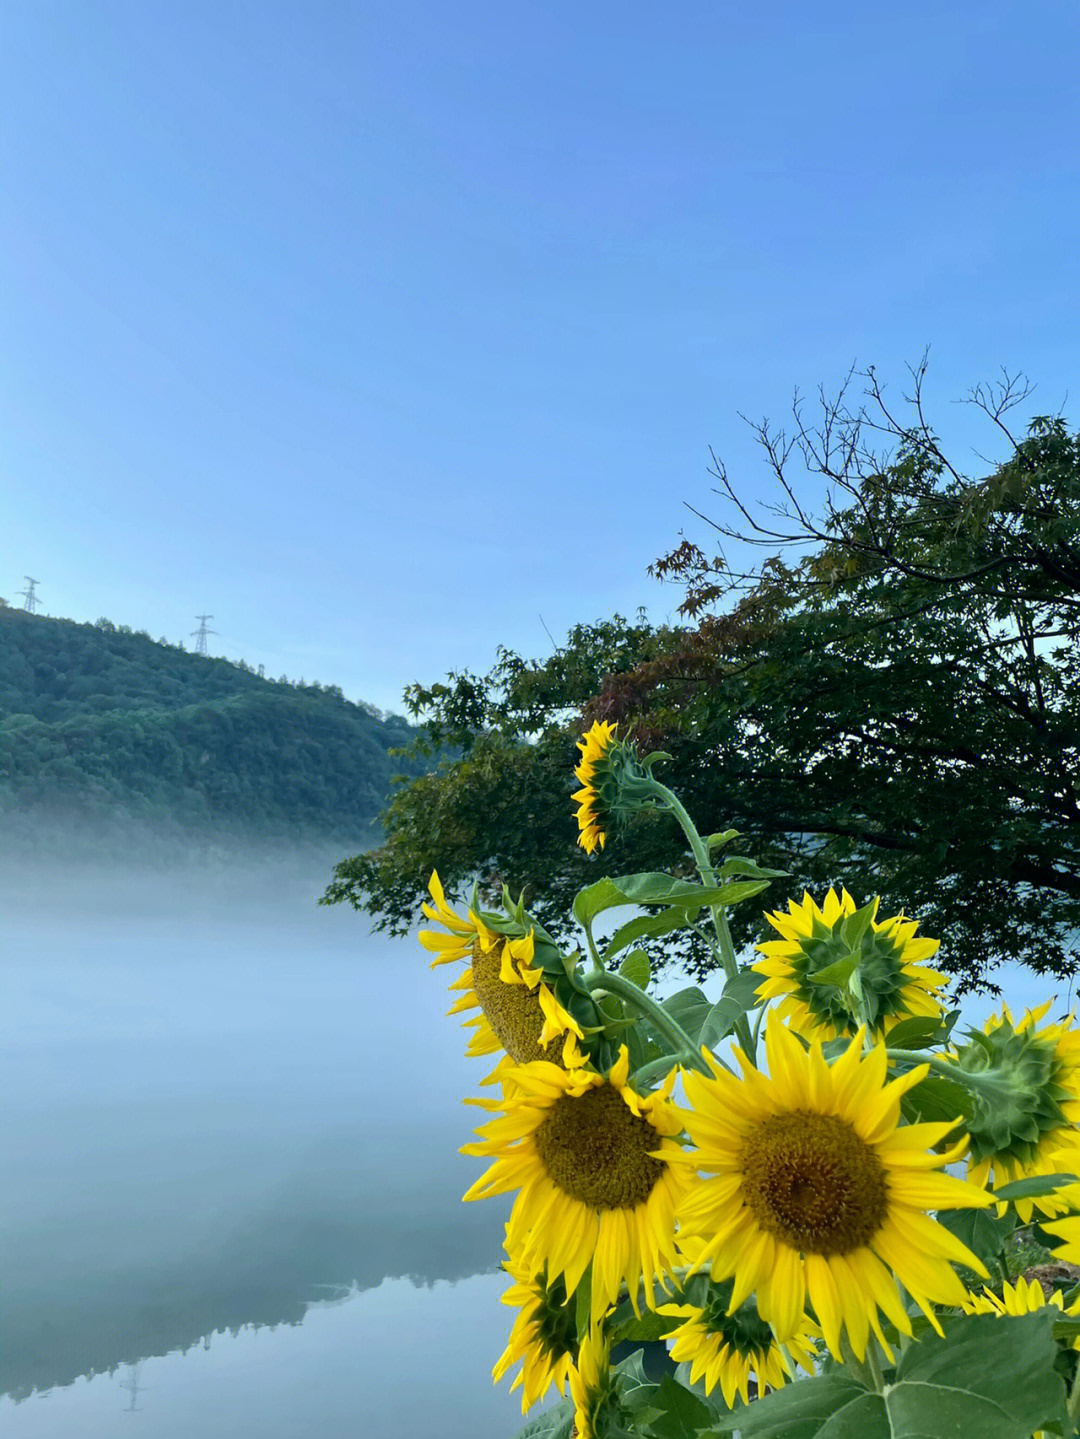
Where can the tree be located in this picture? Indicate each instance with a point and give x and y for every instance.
(895, 706)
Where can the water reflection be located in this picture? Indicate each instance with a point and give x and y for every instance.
(396, 1362)
(212, 1117)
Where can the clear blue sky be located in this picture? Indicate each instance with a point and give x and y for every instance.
(381, 330)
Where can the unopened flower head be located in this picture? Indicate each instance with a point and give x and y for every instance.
(593, 1388)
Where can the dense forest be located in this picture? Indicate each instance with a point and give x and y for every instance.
(110, 729)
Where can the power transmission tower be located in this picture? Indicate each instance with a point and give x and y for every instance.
(32, 600)
(201, 633)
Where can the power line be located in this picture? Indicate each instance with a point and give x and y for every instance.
(201, 633)
(32, 600)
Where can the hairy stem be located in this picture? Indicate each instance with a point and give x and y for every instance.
(597, 980)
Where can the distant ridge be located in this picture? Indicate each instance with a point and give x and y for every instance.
(106, 729)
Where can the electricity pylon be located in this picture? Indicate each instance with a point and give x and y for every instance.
(32, 600)
(201, 633)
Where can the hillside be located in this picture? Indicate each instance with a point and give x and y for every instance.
(113, 730)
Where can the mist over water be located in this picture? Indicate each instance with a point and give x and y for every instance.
(220, 1105)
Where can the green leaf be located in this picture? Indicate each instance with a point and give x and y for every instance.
(681, 906)
(989, 1376)
(916, 1032)
(740, 995)
(632, 1368)
(636, 968)
(583, 1303)
(739, 864)
(720, 838)
(983, 1233)
(856, 925)
(802, 1410)
(689, 1007)
(595, 898)
(645, 925)
(935, 1099)
(838, 973)
(680, 1413)
(625, 1325)
(1030, 1188)
(655, 887)
(557, 1423)
(636, 1045)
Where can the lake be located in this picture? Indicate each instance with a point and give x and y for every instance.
(231, 1201)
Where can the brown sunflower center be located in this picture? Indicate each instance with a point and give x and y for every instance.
(512, 1010)
(812, 1183)
(597, 1150)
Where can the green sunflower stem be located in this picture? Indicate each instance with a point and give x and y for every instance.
(724, 948)
(989, 1085)
(868, 1368)
(597, 980)
(660, 1068)
(1073, 1404)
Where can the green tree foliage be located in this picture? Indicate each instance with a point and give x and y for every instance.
(889, 701)
(103, 724)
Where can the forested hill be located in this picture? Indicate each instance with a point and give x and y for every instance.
(105, 726)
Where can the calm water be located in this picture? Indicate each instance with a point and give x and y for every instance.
(231, 1192)
(231, 1199)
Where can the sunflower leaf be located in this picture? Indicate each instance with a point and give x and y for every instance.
(983, 1233)
(990, 1375)
(680, 907)
(657, 887)
(740, 995)
(689, 1008)
(1031, 1188)
(838, 974)
(636, 968)
(557, 1423)
(749, 868)
(650, 1326)
(583, 1302)
(935, 1099)
(680, 1412)
(917, 1031)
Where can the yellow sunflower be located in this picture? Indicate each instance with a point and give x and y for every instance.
(1023, 1297)
(818, 1191)
(730, 1349)
(592, 1161)
(1028, 1128)
(895, 980)
(543, 1337)
(591, 815)
(1068, 1229)
(518, 1011)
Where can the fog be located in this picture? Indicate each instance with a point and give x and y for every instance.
(220, 1103)
(225, 1109)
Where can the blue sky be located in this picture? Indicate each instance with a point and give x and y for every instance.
(387, 333)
